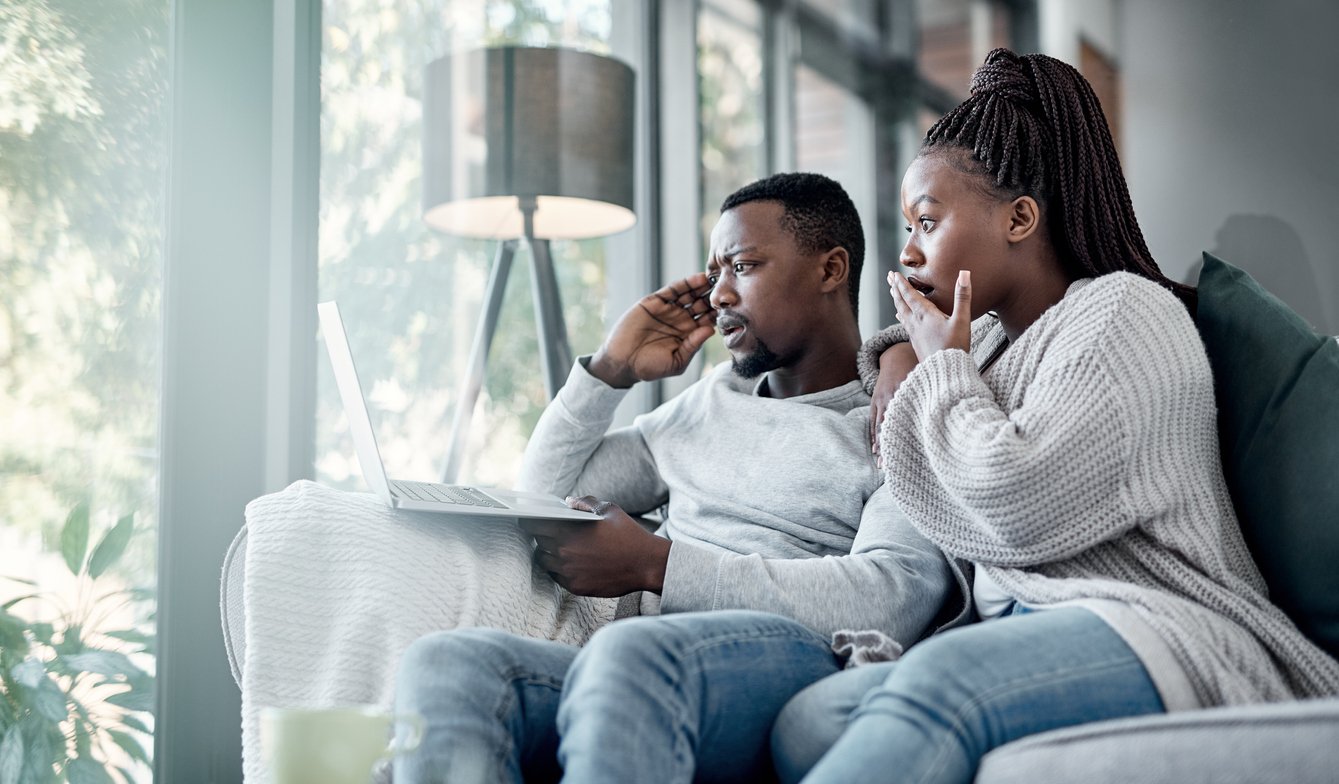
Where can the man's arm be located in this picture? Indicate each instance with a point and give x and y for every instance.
(569, 452)
(894, 579)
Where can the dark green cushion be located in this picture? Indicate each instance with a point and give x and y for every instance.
(1277, 385)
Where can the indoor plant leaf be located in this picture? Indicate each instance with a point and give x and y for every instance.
(134, 699)
(12, 638)
(18, 599)
(135, 724)
(130, 745)
(74, 537)
(46, 749)
(132, 636)
(103, 663)
(112, 545)
(49, 701)
(43, 632)
(83, 770)
(28, 673)
(11, 756)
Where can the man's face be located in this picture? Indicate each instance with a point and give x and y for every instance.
(765, 290)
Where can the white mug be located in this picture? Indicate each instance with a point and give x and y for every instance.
(331, 745)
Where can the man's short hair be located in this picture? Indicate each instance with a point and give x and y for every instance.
(818, 214)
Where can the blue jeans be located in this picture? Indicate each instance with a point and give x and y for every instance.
(933, 715)
(684, 697)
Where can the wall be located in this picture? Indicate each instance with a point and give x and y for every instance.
(1231, 118)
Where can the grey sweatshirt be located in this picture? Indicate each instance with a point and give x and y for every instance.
(773, 505)
(1083, 467)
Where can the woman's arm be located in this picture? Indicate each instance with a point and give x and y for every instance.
(1044, 482)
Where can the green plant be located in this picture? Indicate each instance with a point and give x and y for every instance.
(69, 690)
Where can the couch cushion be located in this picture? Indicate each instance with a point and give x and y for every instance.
(1292, 742)
(1277, 385)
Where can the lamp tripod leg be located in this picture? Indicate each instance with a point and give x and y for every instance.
(478, 364)
(555, 353)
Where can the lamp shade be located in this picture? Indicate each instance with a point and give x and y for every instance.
(512, 126)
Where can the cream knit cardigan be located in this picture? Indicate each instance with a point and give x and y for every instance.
(1085, 464)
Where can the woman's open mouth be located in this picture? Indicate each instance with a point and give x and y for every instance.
(924, 288)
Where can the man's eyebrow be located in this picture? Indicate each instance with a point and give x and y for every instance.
(737, 251)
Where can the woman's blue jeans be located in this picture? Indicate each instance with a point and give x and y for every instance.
(675, 698)
(932, 716)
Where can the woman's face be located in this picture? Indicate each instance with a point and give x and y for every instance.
(953, 224)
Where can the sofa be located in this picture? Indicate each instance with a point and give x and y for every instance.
(1277, 386)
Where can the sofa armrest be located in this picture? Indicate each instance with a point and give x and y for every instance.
(1292, 742)
(231, 608)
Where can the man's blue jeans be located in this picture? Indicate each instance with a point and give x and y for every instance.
(681, 697)
(935, 713)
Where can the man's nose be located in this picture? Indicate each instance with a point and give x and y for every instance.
(722, 294)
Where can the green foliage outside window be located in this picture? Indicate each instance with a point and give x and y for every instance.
(83, 152)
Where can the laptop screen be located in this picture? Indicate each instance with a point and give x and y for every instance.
(351, 393)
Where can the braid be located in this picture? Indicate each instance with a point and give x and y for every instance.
(1035, 126)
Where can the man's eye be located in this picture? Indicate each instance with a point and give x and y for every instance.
(711, 279)
(740, 266)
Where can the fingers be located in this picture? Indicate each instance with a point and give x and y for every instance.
(899, 302)
(962, 297)
(699, 336)
(870, 431)
(688, 293)
(689, 297)
(590, 503)
(585, 503)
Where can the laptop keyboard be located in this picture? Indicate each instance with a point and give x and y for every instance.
(450, 494)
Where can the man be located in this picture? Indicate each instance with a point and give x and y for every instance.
(774, 504)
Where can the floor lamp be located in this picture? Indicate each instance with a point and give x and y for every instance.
(525, 144)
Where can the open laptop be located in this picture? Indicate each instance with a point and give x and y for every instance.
(460, 500)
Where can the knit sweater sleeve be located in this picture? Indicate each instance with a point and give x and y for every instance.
(573, 452)
(867, 358)
(893, 580)
(1042, 482)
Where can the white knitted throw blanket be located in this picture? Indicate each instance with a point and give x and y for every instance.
(337, 585)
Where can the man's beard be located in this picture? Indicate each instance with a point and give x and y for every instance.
(756, 362)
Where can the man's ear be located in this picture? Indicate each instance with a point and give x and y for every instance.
(836, 266)
(1024, 218)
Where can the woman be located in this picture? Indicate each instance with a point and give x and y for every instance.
(1062, 450)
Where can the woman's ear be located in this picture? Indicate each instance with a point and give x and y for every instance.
(836, 268)
(1024, 218)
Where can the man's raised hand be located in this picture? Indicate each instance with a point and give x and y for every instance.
(658, 336)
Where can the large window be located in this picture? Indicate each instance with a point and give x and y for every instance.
(82, 181)
(410, 297)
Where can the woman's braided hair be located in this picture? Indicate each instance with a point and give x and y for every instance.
(1035, 126)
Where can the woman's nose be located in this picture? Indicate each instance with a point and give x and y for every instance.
(911, 256)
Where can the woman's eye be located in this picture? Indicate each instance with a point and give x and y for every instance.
(908, 228)
(927, 224)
